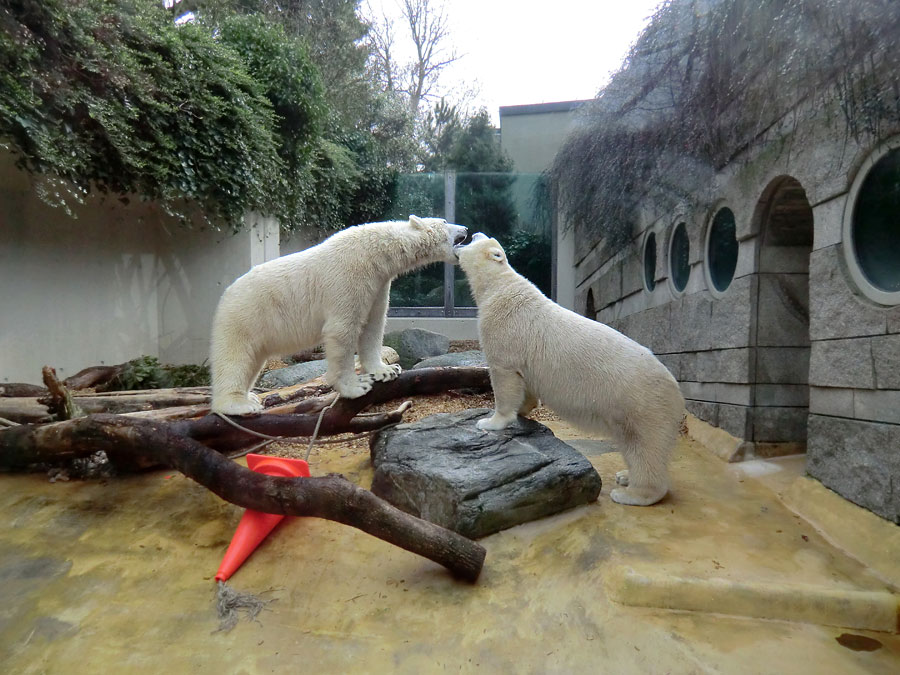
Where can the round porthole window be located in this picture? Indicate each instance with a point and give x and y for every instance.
(721, 250)
(650, 261)
(679, 258)
(872, 232)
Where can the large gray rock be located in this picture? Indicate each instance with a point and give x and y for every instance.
(415, 344)
(299, 372)
(445, 470)
(474, 357)
(309, 370)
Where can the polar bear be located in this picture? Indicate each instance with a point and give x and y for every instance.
(585, 371)
(335, 292)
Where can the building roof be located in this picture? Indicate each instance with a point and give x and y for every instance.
(541, 108)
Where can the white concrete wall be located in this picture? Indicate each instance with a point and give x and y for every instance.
(118, 282)
(565, 267)
(193, 269)
(74, 292)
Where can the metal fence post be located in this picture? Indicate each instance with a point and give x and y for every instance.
(450, 216)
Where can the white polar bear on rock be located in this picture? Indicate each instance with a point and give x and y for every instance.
(334, 293)
(585, 371)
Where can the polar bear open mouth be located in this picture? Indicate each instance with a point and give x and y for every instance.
(458, 245)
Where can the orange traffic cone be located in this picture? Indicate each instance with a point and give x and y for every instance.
(255, 525)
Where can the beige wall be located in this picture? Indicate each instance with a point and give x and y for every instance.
(532, 139)
(119, 281)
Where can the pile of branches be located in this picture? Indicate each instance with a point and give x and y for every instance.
(138, 430)
(708, 78)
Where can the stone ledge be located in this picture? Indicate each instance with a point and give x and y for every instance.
(861, 534)
(861, 610)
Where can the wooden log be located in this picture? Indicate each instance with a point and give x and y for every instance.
(93, 376)
(21, 390)
(331, 497)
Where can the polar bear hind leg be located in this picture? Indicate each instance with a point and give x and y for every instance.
(235, 377)
(646, 480)
(529, 404)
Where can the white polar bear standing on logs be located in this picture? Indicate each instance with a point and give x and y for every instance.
(334, 293)
(585, 371)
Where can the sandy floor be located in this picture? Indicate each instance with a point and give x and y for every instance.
(720, 577)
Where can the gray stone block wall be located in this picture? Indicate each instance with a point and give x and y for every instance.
(792, 350)
(859, 460)
(835, 311)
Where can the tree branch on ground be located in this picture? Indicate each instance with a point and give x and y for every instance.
(194, 446)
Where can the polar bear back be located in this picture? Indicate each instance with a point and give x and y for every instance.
(584, 370)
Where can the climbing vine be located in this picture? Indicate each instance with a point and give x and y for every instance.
(707, 79)
(111, 95)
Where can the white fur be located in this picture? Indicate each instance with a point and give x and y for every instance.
(336, 292)
(585, 371)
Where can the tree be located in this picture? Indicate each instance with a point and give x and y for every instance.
(113, 96)
(368, 137)
(429, 31)
(483, 183)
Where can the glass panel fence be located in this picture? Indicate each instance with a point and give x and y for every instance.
(514, 208)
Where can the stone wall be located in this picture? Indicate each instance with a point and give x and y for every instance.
(791, 353)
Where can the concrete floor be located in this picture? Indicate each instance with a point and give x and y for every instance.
(720, 577)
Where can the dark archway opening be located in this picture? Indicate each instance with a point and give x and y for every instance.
(782, 346)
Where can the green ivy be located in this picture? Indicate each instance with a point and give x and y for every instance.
(145, 372)
(110, 95)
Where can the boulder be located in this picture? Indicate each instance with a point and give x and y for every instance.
(309, 370)
(445, 470)
(295, 374)
(415, 344)
(473, 357)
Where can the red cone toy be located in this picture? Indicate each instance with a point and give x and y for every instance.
(255, 525)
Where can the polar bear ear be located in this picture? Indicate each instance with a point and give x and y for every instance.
(496, 253)
(415, 221)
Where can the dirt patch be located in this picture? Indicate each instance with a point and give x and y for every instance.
(457, 346)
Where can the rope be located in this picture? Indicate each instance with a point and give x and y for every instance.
(312, 439)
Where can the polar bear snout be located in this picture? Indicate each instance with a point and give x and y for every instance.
(459, 234)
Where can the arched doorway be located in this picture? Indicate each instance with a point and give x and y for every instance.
(782, 347)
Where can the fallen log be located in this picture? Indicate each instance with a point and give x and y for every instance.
(331, 497)
(88, 378)
(93, 377)
(21, 390)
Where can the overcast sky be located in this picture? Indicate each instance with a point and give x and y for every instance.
(529, 52)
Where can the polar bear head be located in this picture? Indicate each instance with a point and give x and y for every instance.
(483, 260)
(436, 238)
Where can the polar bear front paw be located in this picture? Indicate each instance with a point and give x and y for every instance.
(622, 478)
(355, 388)
(494, 423)
(385, 373)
